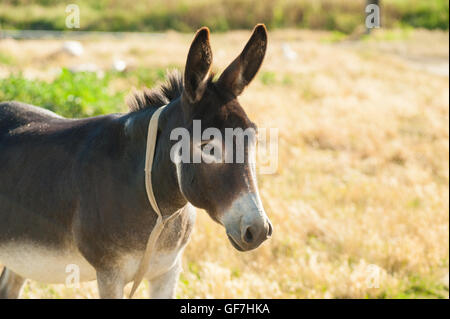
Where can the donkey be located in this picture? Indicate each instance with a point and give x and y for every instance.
(72, 191)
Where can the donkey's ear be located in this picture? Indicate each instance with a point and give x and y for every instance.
(198, 66)
(244, 68)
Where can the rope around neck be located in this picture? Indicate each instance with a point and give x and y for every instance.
(160, 222)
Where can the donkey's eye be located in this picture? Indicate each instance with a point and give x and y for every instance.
(204, 143)
(211, 151)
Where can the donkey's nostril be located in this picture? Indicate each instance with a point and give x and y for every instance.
(269, 233)
(248, 236)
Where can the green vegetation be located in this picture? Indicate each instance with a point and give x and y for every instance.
(220, 15)
(268, 78)
(420, 288)
(6, 59)
(76, 94)
(70, 94)
(424, 14)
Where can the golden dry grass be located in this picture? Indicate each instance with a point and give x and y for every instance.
(363, 178)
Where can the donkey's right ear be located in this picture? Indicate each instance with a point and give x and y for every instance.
(198, 66)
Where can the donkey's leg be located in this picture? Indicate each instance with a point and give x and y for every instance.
(110, 284)
(10, 284)
(164, 286)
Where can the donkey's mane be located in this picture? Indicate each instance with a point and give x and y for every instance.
(159, 96)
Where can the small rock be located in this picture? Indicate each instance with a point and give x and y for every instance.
(74, 48)
(119, 65)
(288, 52)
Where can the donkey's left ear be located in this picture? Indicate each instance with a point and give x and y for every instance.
(244, 68)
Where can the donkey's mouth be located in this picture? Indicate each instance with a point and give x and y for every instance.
(234, 243)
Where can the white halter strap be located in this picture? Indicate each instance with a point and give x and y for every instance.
(160, 222)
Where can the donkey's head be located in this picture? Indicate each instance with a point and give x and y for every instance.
(224, 181)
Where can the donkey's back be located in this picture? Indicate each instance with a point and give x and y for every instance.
(15, 114)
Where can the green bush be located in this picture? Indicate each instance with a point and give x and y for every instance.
(426, 14)
(79, 94)
(70, 94)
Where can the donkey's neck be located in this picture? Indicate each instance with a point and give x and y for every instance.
(169, 196)
(164, 176)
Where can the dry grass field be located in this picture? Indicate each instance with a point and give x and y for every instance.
(359, 203)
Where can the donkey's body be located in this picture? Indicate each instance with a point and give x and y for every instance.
(91, 208)
(73, 195)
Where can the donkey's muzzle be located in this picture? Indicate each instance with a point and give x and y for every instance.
(252, 235)
(246, 222)
(249, 235)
